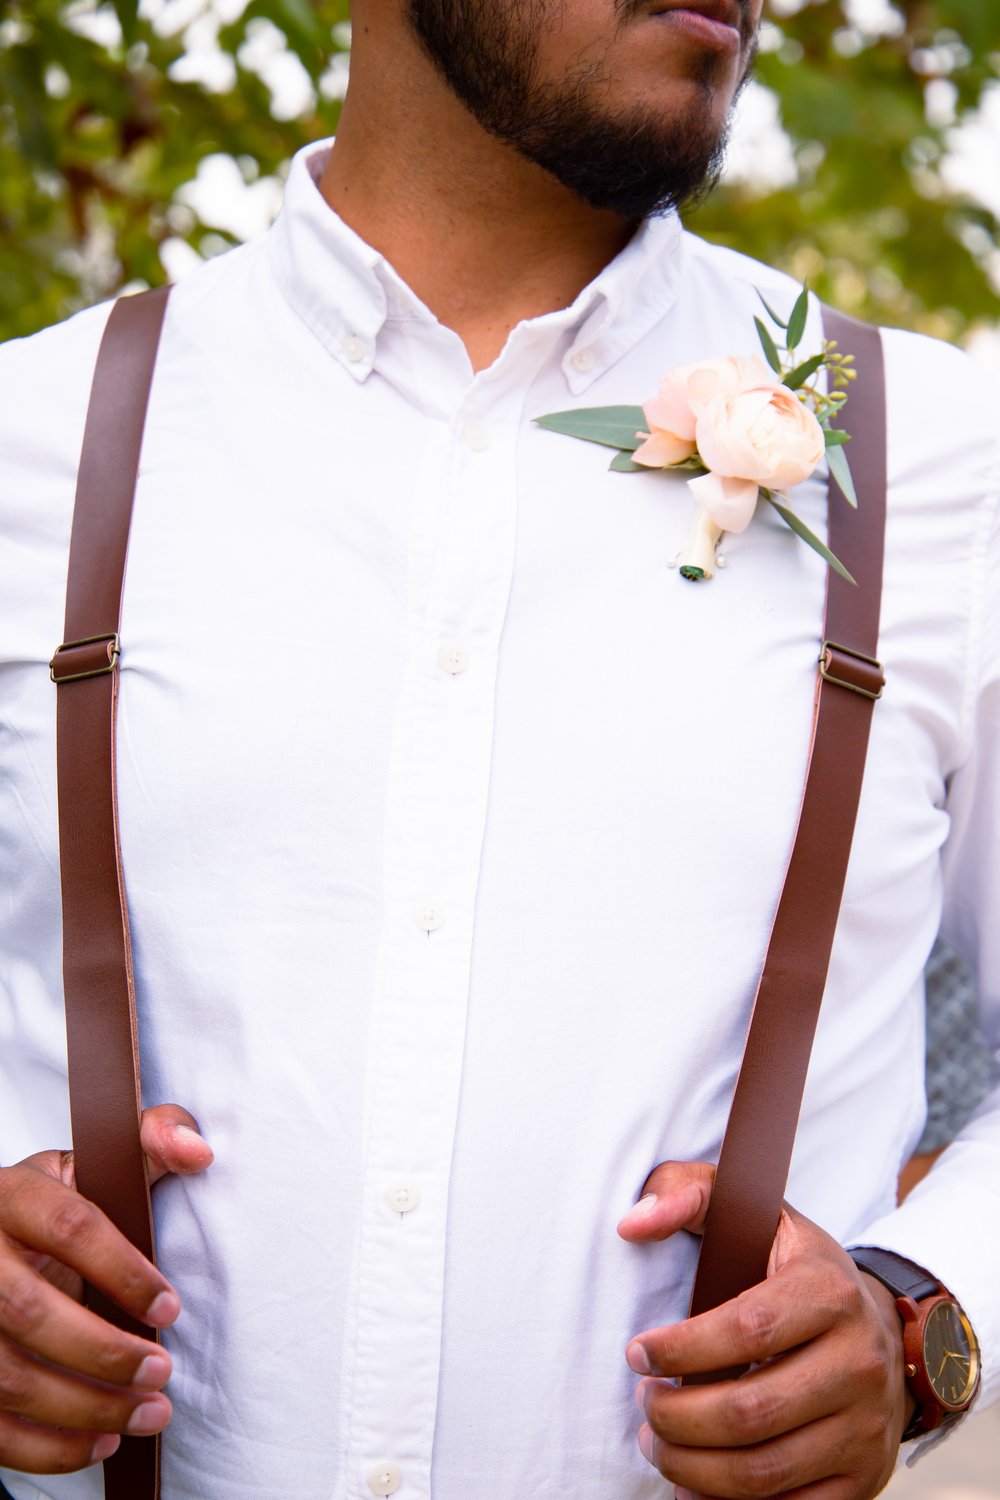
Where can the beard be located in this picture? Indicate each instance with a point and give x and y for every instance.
(634, 163)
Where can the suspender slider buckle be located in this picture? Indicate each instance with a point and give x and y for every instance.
(92, 657)
(851, 669)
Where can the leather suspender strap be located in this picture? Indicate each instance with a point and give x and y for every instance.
(100, 995)
(756, 1152)
(105, 1101)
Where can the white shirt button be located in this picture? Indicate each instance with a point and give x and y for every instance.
(476, 436)
(453, 659)
(583, 360)
(355, 349)
(428, 916)
(384, 1479)
(402, 1196)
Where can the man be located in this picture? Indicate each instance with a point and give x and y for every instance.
(454, 822)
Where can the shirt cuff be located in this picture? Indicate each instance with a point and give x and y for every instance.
(949, 1228)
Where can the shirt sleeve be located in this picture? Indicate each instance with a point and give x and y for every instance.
(950, 1223)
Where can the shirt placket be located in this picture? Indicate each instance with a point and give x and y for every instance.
(461, 561)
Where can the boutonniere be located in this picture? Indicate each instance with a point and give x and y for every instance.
(746, 431)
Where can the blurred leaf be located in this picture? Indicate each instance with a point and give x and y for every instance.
(96, 144)
(127, 12)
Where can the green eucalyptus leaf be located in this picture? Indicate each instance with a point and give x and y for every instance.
(841, 471)
(769, 346)
(809, 537)
(797, 321)
(798, 377)
(771, 312)
(614, 426)
(835, 438)
(622, 463)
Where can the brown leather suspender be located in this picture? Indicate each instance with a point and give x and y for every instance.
(100, 995)
(757, 1148)
(105, 1100)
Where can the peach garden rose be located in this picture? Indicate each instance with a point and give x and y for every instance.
(747, 429)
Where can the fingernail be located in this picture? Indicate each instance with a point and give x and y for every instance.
(646, 1443)
(638, 1359)
(641, 1209)
(683, 1494)
(104, 1447)
(150, 1417)
(152, 1373)
(163, 1310)
(185, 1133)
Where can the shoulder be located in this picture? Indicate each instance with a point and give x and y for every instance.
(44, 390)
(45, 381)
(944, 438)
(940, 387)
(721, 264)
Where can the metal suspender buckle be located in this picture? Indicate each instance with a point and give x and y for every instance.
(75, 660)
(851, 669)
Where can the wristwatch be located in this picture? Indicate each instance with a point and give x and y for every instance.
(939, 1346)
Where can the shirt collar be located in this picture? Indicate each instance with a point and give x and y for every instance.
(348, 293)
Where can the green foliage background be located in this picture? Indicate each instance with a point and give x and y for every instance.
(96, 140)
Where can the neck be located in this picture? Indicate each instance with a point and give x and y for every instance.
(482, 236)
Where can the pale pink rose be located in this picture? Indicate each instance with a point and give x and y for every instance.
(730, 502)
(764, 435)
(672, 415)
(671, 433)
(727, 376)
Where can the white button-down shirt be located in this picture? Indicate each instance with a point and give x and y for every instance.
(453, 825)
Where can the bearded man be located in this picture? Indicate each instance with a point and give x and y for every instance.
(454, 821)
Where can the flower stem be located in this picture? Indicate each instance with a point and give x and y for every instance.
(698, 559)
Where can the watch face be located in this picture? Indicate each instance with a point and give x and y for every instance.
(951, 1355)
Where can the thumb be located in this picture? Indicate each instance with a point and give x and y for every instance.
(172, 1142)
(675, 1196)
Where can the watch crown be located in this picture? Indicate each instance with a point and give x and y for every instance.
(910, 1371)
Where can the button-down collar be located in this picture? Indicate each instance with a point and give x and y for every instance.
(361, 310)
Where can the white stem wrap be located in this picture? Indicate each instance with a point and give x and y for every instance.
(698, 557)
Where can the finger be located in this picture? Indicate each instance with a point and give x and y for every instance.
(772, 1400)
(39, 1450)
(44, 1215)
(804, 1457)
(802, 1301)
(172, 1142)
(675, 1196)
(50, 1397)
(37, 1317)
(836, 1487)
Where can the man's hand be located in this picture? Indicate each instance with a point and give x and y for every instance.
(822, 1415)
(69, 1381)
